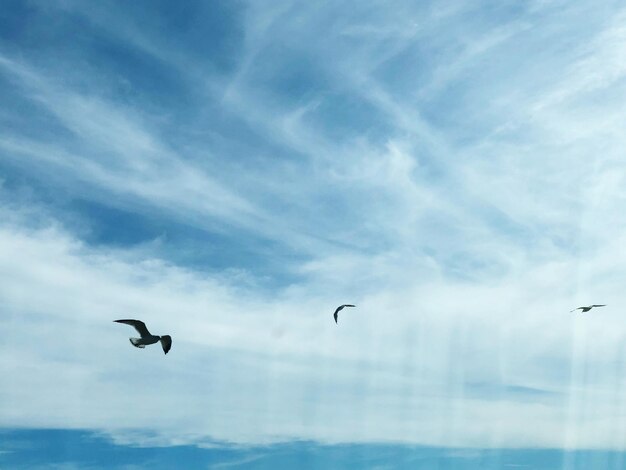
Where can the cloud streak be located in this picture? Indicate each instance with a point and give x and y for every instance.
(465, 196)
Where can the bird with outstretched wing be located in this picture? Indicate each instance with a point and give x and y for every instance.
(341, 307)
(146, 337)
(586, 309)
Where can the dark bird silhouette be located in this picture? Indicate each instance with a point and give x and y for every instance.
(586, 309)
(146, 336)
(341, 307)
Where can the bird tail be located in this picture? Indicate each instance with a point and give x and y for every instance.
(135, 342)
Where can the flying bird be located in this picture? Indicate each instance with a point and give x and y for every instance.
(586, 309)
(341, 307)
(146, 336)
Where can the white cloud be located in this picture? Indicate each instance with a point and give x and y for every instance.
(248, 369)
(463, 255)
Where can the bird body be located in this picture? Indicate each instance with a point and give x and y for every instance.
(146, 337)
(341, 307)
(586, 309)
(143, 342)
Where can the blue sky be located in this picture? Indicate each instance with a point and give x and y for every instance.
(229, 172)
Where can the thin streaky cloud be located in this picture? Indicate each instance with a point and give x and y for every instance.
(455, 171)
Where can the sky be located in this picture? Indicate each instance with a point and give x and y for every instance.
(229, 172)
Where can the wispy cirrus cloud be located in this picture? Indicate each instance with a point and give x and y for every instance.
(455, 172)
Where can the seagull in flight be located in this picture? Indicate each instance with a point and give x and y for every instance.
(341, 307)
(586, 309)
(146, 336)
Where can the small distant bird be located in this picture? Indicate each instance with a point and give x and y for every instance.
(586, 309)
(341, 307)
(146, 336)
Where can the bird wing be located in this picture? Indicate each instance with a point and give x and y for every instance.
(166, 343)
(138, 325)
(341, 307)
(577, 308)
(603, 305)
